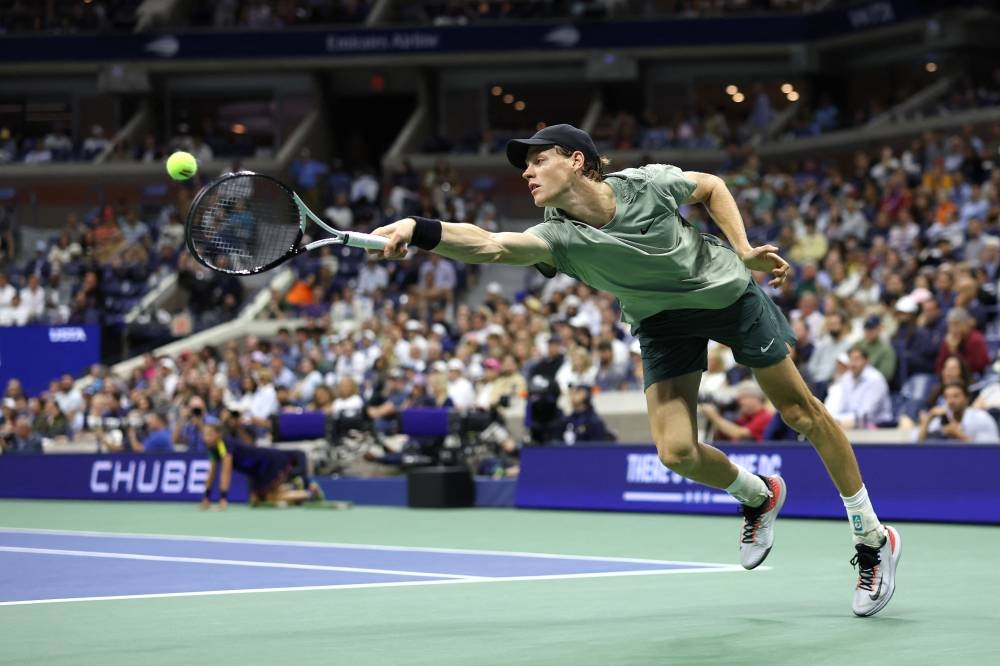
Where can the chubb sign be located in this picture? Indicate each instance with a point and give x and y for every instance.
(145, 477)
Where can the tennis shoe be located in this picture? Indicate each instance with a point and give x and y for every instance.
(757, 534)
(876, 573)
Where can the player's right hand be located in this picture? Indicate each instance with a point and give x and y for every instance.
(399, 233)
(205, 503)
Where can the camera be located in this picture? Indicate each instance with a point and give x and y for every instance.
(197, 411)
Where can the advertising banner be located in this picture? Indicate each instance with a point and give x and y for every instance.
(548, 36)
(38, 354)
(951, 483)
(174, 477)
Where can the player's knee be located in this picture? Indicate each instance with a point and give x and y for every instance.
(803, 415)
(678, 455)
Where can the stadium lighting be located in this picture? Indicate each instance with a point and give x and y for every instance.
(496, 91)
(239, 128)
(508, 99)
(738, 97)
(787, 88)
(540, 125)
(792, 96)
(731, 90)
(519, 105)
(931, 67)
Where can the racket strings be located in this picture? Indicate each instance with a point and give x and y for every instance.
(244, 224)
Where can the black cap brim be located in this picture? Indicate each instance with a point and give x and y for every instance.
(517, 150)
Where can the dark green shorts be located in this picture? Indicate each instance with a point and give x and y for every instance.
(675, 342)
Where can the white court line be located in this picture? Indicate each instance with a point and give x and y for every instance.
(355, 546)
(208, 560)
(357, 586)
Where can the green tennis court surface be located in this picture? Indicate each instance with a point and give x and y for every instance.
(421, 591)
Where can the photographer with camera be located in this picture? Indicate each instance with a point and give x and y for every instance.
(188, 427)
(139, 433)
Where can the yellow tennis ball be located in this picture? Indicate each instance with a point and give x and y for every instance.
(182, 165)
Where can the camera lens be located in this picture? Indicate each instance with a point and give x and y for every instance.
(196, 411)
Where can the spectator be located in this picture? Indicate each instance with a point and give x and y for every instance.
(912, 344)
(830, 345)
(583, 423)
(22, 440)
(964, 340)
(460, 389)
(349, 402)
(880, 354)
(158, 438)
(752, 417)
(51, 422)
(956, 420)
(865, 394)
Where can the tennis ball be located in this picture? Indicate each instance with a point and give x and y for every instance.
(181, 165)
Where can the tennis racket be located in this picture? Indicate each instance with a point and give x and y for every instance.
(245, 223)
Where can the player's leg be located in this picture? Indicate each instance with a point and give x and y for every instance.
(877, 547)
(671, 404)
(762, 343)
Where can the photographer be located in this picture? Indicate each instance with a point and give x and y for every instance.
(957, 421)
(187, 429)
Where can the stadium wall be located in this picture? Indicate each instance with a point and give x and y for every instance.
(907, 483)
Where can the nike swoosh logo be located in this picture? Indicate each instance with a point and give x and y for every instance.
(764, 349)
(648, 227)
(877, 593)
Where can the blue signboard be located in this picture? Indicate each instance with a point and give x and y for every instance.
(146, 476)
(904, 481)
(38, 354)
(659, 32)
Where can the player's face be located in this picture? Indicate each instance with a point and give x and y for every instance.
(548, 174)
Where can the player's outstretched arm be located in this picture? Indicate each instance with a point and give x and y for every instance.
(713, 193)
(470, 244)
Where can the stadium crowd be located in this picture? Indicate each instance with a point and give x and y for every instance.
(894, 302)
(101, 263)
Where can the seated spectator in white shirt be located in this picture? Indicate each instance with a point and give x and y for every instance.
(349, 402)
(864, 394)
(15, 314)
(7, 291)
(33, 297)
(957, 421)
(339, 213)
(460, 389)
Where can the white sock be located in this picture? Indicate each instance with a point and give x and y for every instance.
(748, 488)
(865, 525)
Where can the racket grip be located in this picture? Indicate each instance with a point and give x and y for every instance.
(366, 241)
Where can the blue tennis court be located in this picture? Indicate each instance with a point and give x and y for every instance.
(40, 566)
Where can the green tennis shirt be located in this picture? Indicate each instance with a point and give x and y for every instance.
(647, 256)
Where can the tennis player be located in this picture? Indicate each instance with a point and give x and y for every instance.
(623, 233)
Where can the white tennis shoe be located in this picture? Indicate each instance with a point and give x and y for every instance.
(876, 573)
(757, 534)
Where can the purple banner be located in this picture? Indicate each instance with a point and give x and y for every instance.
(175, 477)
(948, 483)
(38, 354)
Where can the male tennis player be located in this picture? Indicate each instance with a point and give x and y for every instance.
(622, 233)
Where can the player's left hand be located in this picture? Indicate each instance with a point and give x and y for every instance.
(766, 259)
(223, 503)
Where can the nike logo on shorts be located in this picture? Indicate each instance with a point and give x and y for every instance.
(764, 349)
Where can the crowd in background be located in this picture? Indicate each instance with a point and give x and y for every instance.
(101, 262)
(894, 302)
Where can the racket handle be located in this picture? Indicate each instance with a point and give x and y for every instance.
(366, 241)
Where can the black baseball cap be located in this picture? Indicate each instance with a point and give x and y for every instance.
(567, 136)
